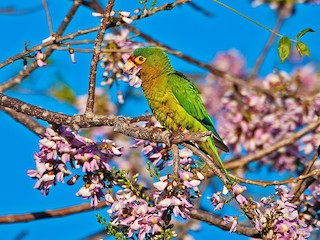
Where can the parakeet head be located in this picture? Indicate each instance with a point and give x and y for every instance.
(152, 63)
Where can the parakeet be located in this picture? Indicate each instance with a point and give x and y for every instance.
(174, 99)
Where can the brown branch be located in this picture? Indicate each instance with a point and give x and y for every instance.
(121, 124)
(96, 57)
(301, 185)
(200, 9)
(37, 112)
(17, 218)
(218, 221)
(67, 19)
(165, 6)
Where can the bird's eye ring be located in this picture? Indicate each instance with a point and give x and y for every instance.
(139, 60)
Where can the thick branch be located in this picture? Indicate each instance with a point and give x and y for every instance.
(50, 213)
(122, 124)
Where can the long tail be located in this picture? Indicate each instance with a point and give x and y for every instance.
(211, 150)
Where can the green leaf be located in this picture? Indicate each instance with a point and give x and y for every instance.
(303, 32)
(302, 49)
(284, 48)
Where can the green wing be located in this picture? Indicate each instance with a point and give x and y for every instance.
(189, 98)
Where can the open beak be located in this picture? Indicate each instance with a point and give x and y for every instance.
(129, 65)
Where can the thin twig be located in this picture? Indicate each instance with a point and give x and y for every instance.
(46, 9)
(299, 188)
(96, 57)
(247, 18)
(90, 50)
(67, 19)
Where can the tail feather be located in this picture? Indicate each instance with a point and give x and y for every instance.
(212, 151)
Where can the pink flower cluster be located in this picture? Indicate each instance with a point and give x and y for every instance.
(150, 216)
(275, 217)
(251, 121)
(62, 149)
(157, 153)
(278, 218)
(131, 213)
(117, 51)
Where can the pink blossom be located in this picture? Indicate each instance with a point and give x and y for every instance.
(40, 57)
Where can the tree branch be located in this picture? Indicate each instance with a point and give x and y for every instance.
(121, 124)
(17, 218)
(46, 9)
(301, 185)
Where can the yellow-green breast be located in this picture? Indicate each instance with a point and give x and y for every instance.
(166, 108)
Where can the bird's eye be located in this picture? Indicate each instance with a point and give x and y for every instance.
(139, 60)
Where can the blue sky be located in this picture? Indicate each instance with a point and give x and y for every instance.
(182, 28)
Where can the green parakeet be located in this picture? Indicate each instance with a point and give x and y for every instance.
(174, 99)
